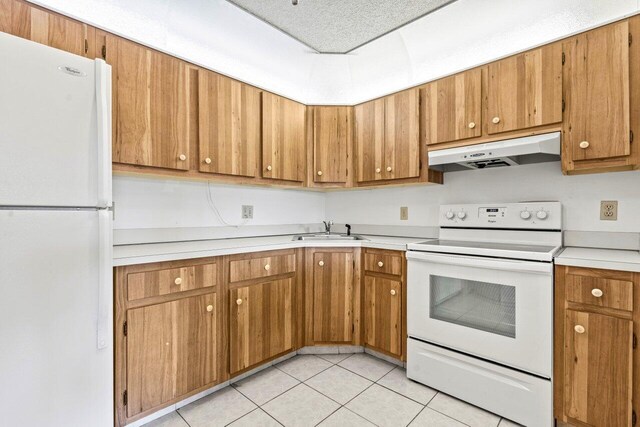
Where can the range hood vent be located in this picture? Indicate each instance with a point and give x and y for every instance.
(511, 152)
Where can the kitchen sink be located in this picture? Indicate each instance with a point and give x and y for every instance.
(328, 237)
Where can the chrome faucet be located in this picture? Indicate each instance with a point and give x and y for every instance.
(327, 226)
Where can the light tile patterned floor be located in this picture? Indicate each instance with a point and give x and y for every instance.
(330, 390)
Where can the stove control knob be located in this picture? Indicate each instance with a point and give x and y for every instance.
(449, 215)
(525, 214)
(541, 214)
(462, 215)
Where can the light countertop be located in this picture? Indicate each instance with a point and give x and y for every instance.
(156, 252)
(608, 259)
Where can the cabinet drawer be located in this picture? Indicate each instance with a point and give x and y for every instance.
(600, 291)
(266, 266)
(383, 263)
(170, 281)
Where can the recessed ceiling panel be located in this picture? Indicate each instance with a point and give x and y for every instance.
(338, 26)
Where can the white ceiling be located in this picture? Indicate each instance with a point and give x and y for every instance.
(224, 38)
(338, 26)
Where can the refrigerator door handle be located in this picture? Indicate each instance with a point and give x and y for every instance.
(105, 281)
(103, 102)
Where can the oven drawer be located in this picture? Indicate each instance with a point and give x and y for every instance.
(614, 291)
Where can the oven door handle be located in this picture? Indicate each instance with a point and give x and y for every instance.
(479, 262)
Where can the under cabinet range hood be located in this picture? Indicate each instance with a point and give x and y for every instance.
(510, 152)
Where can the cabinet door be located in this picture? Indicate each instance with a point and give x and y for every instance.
(333, 297)
(283, 138)
(151, 106)
(331, 136)
(29, 22)
(369, 135)
(402, 135)
(260, 322)
(525, 90)
(171, 350)
(452, 108)
(598, 369)
(383, 314)
(229, 125)
(596, 93)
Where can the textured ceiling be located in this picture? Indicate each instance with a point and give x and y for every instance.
(338, 26)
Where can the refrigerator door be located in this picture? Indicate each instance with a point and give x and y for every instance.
(56, 322)
(55, 127)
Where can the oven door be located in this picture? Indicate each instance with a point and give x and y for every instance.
(496, 309)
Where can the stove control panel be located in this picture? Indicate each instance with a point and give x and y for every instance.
(519, 216)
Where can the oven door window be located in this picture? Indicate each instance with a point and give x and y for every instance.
(489, 307)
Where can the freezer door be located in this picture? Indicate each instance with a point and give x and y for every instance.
(56, 321)
(55, 132)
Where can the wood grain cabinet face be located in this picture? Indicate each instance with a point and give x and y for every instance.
(369, 138)
(260, 322)
(229, 125)
(171, 350)
(453, 108)
(23, 20)
(151, 106)
(383, 314)
(525, 90)
(283, 138)
(402, 135)
(596, 94)
(331, 137)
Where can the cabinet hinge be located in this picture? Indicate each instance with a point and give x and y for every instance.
(563, 58)
(124, 329)
(104, 52)
(563, 105)
(635, 341)
(86, 45)
(630, 39)
(125, 399)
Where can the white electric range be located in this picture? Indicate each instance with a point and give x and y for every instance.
(480, 307)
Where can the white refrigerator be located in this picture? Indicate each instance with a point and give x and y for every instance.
(56, 284)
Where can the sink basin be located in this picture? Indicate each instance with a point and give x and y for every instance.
(328, 237)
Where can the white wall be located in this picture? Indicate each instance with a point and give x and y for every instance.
(157, 203)
(580, 197)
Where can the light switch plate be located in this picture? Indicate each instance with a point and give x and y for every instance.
(609, 210)
(404, 213)
(247, 211)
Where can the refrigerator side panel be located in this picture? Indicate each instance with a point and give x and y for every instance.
(55, 322)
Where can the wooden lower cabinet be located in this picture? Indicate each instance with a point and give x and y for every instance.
(595, 362)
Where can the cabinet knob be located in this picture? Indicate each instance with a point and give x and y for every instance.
(472, 125)
(182, 157)
(584, 144)
(378, 170)
(319, 173)
(239, 301)
(267, 267)
(380, 263)
(207, 160)
(496, 120)
(393, 292)
(579, 329)
(596, 292)
(178, 281)
(269, 168)
(321, 263)
(388, 168)
(209, 308)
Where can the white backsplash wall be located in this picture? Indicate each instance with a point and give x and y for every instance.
(157, 203)
(580, 196)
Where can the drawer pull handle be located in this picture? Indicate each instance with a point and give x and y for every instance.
(267, 267)
(269, 168)
(584, 144)
(377, 170)
(380, 263)
(319, 173)
(597, 292)
(209, 308)
(496, 120)
(579, 329)
(208, 160)
(182, 157)
(321, 263)
(239, 301)
(389, 169)
(178, 281)
(393, 291)
(472, 125)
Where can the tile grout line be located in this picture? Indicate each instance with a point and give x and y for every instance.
(183, 418)
(446, 415)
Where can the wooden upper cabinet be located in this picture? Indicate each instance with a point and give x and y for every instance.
(525, 90)
(402, 135)
(596, 94)
(151, 107)
(283, 138)
(229, 125)
(24, 20)
(598, 360)
(453, 108)
(331, 138)
(369, 136)
(383, 314)
(171, 351)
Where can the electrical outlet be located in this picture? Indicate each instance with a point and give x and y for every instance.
(404, 213)
(609, 210)
(247, 211)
